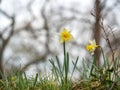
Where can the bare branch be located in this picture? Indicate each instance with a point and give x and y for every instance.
(5, 41)
(109, 9)
(5, 14)
(42, 58)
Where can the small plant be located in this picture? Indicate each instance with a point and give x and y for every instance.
(105, 77)
(61, 71)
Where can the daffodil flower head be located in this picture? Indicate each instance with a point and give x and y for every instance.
(91, 47)
(13, 78)
(65, 36)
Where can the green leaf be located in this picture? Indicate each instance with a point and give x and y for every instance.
(35, 81)
(75, 64)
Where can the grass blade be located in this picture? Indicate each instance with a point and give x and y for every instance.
(75, 64)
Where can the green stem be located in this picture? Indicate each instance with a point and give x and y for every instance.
(65, 62)
(64, 48)
(92, 67)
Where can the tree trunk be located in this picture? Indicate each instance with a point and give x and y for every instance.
(1, 63)
(97, 31)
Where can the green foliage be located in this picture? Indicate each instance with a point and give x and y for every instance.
(104, 77)
(18, 82)
(61, 71)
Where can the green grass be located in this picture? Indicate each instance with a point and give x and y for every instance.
(105, 77)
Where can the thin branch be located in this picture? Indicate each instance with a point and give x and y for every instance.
(5, 14)
(5, 41)
(42, 58)
(108, 40)
(110, 9)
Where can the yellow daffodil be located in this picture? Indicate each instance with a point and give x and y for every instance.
(91, 47)
(13, 78)
(65, 36)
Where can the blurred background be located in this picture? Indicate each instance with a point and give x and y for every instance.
(29, 31)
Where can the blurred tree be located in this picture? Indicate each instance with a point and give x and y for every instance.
(5, 41)
(101, 14)
(42, 26)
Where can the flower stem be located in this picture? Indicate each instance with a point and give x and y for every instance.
(66, 62)
(64, 48)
